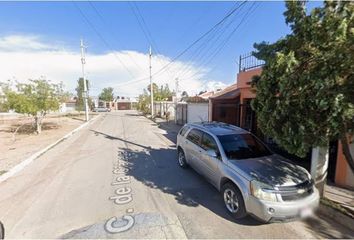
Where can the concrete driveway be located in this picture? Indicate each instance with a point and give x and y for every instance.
(119, 178)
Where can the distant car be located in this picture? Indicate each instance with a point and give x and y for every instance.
(101, 109)
(251, 179)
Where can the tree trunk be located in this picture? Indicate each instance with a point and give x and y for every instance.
(38, 124)
(346, 151)
(319, 167)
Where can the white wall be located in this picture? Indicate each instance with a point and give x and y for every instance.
(164, 107)
(67, 107)
(197, 112)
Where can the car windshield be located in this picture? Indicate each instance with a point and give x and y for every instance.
(243, 146)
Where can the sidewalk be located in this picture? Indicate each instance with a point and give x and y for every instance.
(170, 127)
(341, 196)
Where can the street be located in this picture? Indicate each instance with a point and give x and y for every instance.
(124, 165)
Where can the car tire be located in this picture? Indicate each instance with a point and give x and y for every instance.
(233, 201)
(181, 159)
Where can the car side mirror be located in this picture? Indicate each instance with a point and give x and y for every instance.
(212, 153)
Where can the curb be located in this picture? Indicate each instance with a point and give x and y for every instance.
(36, 155)
(336, 216)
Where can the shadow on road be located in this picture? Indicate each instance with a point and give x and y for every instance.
(325, 229)
(158, 169)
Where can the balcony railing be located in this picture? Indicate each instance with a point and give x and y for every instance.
(248, 61)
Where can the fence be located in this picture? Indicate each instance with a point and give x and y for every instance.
(248, 61)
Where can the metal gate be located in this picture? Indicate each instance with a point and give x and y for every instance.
(182, 114)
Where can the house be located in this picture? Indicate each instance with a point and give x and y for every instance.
(68, 106)
(232, 105)
(123, 103)
(206, 95)
(193, 109)
(119, 103)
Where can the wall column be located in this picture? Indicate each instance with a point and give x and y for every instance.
(319, 167)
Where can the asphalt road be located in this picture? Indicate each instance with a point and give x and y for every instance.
(119, 178)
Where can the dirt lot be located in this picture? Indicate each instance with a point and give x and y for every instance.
(15, 148)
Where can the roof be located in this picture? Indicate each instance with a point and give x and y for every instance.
(230, 92)
(206, 95)
(219, 128)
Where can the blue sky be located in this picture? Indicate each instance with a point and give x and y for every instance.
(173, 26)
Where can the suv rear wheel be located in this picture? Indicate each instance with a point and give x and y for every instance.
(233, 200)
(182, 159)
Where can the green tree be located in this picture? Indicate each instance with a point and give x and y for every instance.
(4, 87)
(155, 88)
(106, 94)
(305, 93)
(163, 93)
(160, 94)
(80, 95)
(35, 98)
(63, 95)
(144, 102)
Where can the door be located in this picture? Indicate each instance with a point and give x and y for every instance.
(209, 164)
(192, 146)
(332, 161)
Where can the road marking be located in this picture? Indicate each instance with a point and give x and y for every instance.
(122, 195)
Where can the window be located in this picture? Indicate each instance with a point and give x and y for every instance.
(195, 136)
(243, 146)
(183, 131)
(208, 143)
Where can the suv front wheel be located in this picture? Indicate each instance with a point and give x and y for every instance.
(233, 201)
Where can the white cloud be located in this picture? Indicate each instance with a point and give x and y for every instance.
(17, 43)
(25, 57)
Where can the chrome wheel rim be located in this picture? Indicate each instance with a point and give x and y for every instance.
(231, 201)
(181, 158)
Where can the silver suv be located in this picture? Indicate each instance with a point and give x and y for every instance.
(251, 178)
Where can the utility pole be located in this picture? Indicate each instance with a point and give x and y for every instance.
(83, 61)
(151, 87)
(176, 100)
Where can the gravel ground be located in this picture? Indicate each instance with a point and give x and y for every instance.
(16, 148)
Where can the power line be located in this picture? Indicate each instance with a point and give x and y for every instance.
(145, 29)
(111, 32)
(199, 39)
(217, 50)
(102, 38)
(222, 45)
(231, 12)
(211, 41)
